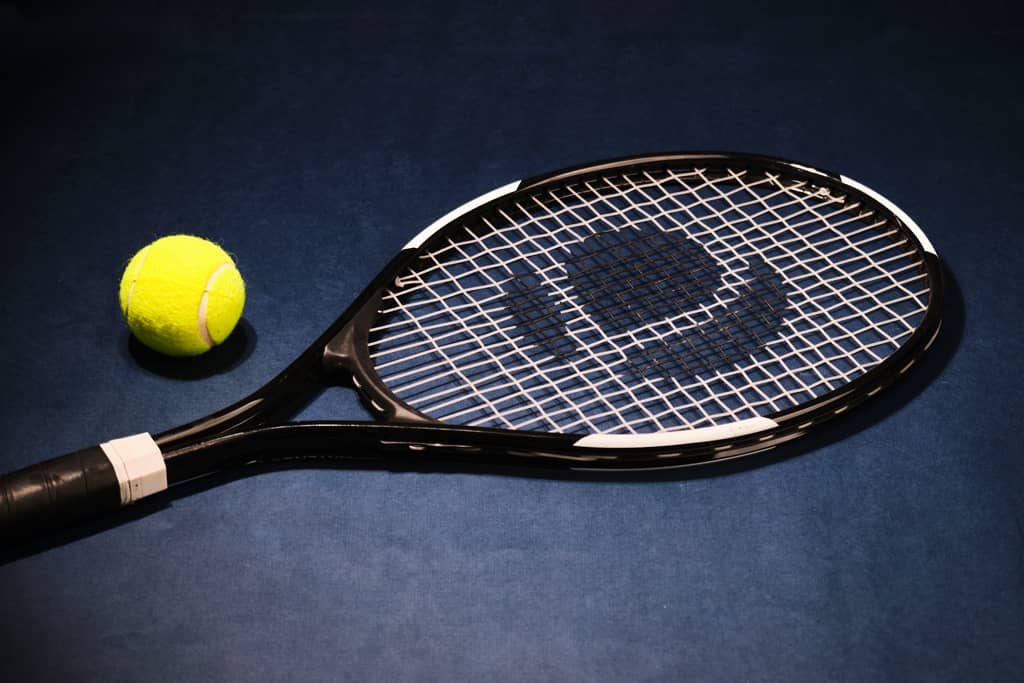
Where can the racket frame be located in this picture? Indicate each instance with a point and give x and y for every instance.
(249, 430)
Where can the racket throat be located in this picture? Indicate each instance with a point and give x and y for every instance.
(345, 358)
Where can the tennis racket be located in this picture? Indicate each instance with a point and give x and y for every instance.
(645, 312)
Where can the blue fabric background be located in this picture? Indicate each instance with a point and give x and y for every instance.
(313, 139)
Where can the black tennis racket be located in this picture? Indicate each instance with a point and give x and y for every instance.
(646, 312)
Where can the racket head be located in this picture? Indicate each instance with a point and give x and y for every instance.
(647, 311)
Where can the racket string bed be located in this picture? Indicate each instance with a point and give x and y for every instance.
(648, 301)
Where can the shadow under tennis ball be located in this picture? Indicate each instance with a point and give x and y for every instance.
(221, 358)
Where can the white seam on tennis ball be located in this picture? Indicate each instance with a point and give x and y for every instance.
(204, 330)
(135, 278)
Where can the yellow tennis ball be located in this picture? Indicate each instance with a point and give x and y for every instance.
(182, 295)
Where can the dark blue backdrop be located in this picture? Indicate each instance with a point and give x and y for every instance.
(312, 140)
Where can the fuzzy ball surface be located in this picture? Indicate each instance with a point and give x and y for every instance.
(182, 295)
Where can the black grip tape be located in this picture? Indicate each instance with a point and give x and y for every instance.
(57, 492)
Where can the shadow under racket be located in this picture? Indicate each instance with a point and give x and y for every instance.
(863, 417)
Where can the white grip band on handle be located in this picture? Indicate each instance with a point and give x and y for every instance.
(139, 466)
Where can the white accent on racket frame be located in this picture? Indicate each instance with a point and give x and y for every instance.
(702, 435)
(444, 220)
(900, 213)
(139, 466)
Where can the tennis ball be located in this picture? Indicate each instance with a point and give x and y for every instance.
(182, 295)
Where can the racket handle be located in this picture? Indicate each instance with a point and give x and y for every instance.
(73, 487)
(57, 493)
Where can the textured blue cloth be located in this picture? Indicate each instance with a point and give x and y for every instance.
(312, 140)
